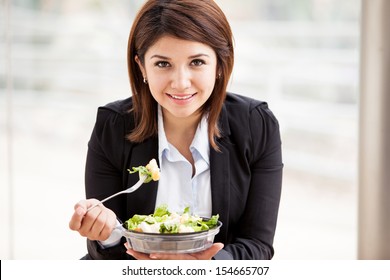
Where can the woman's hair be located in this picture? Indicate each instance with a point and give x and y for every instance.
(194, 20)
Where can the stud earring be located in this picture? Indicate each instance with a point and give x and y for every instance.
(145, 81)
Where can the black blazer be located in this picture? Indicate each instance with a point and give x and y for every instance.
(246, 175)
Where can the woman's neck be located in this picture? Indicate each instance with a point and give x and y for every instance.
(185, 127)
(180, 132)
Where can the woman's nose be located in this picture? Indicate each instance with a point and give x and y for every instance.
(181, 79)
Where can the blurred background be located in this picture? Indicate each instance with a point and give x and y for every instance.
(60, 60)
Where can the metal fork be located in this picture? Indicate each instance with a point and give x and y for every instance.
(128, 190)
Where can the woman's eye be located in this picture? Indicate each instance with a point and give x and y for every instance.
(198, 62)
(162, 64)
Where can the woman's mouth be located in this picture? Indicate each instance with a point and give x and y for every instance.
(181, 97)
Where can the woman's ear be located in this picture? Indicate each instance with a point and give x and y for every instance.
(218, 74)
(141, 67)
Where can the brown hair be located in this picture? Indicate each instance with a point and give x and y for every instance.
(195, 20)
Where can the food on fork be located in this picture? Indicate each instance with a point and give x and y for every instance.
(151, 171)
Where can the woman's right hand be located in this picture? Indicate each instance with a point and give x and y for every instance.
(96, 224)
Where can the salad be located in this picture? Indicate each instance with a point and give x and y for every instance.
(166, 222)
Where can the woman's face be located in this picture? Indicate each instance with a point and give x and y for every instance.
(181, 75)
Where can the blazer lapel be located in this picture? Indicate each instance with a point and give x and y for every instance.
(220, 176)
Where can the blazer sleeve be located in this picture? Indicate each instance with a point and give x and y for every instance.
(103, 173)
(253, 234)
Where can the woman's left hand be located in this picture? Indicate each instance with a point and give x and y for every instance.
(202, 255)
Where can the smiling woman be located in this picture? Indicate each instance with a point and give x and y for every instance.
(68, 58)
(208, 26)
(219, 152)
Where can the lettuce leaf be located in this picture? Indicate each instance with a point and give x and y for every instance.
(133, 223)
(161, 211)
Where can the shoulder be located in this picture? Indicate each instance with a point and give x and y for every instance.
(251, 125)
(113, 122)
(116, 115)
(121, 107)
(241, 109)
(234, 99)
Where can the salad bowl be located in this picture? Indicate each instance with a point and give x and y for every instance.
(171, 243)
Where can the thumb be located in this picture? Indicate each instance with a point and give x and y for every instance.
(77, 218)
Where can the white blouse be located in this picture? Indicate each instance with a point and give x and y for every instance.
(177, 188)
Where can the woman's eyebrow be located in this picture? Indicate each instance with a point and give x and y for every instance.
(159, 56)
(198, 55)
(167, 58)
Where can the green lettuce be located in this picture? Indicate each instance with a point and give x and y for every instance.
(162, 214)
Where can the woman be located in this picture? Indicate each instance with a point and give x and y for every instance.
(219, 153)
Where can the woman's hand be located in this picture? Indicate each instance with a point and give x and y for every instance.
(96, 224)
(202, 255)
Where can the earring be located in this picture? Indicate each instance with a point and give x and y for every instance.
(219, 76)
(145, 81)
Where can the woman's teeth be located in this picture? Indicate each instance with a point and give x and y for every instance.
(181, 97)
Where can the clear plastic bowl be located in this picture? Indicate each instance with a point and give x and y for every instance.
(173, 243)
